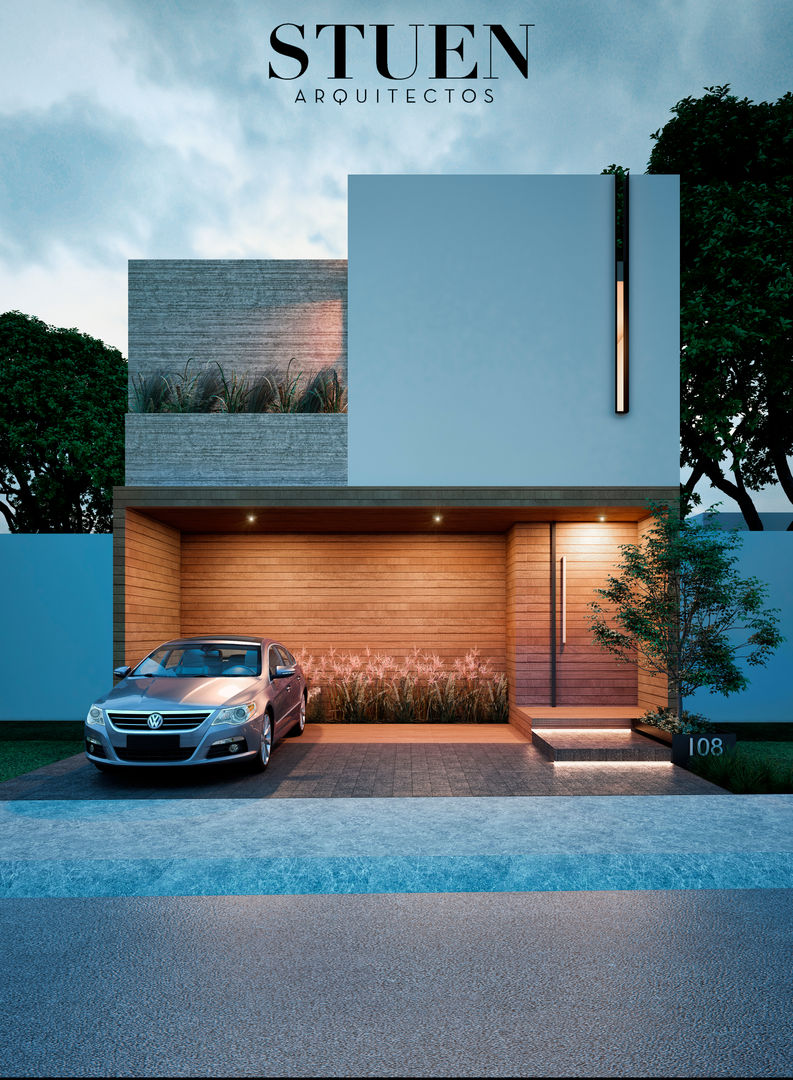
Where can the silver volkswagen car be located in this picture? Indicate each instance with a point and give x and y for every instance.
(199, 700)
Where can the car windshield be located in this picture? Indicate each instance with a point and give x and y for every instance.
(208, 659)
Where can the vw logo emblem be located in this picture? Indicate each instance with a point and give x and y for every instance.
(154, 721)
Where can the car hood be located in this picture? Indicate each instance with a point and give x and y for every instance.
(170, 693)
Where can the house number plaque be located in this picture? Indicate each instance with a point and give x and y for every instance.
(684, 747)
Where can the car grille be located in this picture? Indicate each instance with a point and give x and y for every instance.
(154, 748)
(137, 721)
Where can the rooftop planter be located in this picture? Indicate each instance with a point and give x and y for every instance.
(236, 449)
(215, 390)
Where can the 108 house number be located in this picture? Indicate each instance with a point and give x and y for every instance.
(685, 747)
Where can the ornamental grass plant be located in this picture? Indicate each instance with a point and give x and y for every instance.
(361, 688)
(217, 391)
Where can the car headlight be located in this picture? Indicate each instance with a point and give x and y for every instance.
(95, 716)
(236, 715)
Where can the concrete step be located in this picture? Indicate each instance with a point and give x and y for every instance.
(577, 722)
(579, 716)
(559, 744)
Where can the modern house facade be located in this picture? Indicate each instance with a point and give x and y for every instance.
(478, 488)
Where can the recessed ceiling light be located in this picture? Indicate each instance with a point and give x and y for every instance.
(251, 517)
(437, 518)
(602, 517)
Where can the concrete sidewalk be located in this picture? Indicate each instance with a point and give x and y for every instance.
(302, 846)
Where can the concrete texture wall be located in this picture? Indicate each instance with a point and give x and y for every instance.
(56, 629)
(482, 337)
(246, 314)
(236, 448)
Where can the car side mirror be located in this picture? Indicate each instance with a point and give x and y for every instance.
(122, 672)
(284, 672)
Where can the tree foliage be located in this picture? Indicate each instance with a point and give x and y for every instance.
(63, 397)
(735, 160)
(679, 608)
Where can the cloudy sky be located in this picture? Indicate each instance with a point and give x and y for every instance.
(149, 128)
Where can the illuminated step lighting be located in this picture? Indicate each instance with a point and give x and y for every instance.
(612, 764)
(583, 731)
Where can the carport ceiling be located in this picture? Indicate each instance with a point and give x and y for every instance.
(369, 519)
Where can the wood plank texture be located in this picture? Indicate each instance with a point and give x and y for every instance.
(586, 675)
(443, 594)
(577, 716)
(152, 585)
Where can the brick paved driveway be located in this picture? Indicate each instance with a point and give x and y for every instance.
(303, 769)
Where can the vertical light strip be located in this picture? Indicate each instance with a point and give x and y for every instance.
(621, 398)
(552, 620)
(563, 566)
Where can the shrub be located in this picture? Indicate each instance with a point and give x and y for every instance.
(668, 720)
(745, 775)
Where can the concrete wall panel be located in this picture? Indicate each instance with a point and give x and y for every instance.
(56, 629)
(481, 338)
(236, 448)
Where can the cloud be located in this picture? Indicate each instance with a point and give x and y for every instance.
(133, 128)
(76, 175)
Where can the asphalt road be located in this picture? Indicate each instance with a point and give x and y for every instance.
(674, 983)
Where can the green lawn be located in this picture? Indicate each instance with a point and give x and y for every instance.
(27, 745)
(757, 767)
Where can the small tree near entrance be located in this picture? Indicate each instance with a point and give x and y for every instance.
(679, 608)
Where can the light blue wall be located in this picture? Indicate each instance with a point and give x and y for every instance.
(481, 331)
(769, 557)
(56, 630)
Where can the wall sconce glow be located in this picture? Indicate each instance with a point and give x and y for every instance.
(621, 277)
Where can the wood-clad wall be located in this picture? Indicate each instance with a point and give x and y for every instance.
(443, 593)
(152, 585)
(528, 614)
(652, 689)
(585, 674)
(391, 592)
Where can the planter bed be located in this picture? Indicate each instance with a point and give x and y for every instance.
(653, 732)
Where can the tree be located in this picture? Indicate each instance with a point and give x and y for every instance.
(679, 608)
(63, 396)
(735, 160)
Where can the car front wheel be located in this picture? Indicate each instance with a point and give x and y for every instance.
(262, 759)
(300, 726)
